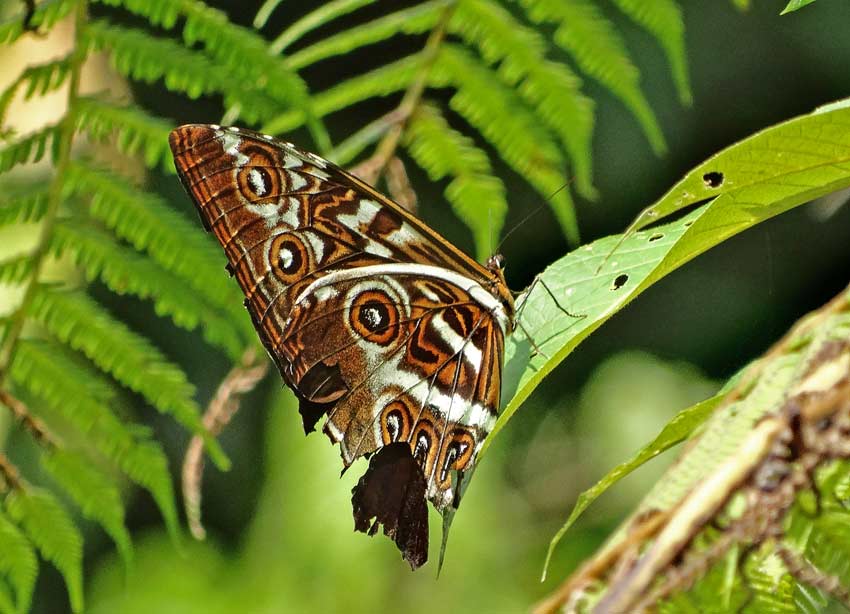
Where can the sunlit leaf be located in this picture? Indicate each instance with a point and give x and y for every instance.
(794, 5)
(676, 431)
(749, 182)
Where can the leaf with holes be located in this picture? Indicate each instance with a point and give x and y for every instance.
(752, 181)
(767, 173)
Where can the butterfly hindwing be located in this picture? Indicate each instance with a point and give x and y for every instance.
(372, 318)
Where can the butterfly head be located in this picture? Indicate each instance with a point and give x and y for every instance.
(499, 287)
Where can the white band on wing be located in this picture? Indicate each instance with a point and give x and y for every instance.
(478, 293)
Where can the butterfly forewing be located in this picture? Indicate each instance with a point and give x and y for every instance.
(372, 318)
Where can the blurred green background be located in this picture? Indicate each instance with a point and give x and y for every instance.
(279, 523)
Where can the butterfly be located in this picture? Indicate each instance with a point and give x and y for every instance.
(375, 321)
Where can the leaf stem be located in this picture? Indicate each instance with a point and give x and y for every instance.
(377, 164)
(10, 477)
(54, 198)
(32, 424)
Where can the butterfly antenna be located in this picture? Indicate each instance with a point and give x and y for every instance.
(530, 215)
(632, 229)
(490, 229)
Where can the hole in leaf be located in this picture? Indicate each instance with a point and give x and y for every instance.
(688, 223)
(655, 237)
(619, 281)
(713, 179)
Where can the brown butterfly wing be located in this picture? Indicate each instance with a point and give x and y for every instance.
(390, 358)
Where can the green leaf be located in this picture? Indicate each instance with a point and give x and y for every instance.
(599, 51)
(75, 319)
(262, 17)
(150, 224)
(828, 543)
(773, 170)
(246, 52)
(551, 88)
(724, 433)
(18, 563)
(45, 15)
(416, 19)
(164, 13)
(40, 79)
(674, 432)
(476, 195)
(238, 49)
(133, 132)
(17, 208)
(510, 127)
(140, 56)
(28, 149)
(379, 82)
(777, 169)
(51, 529)
(733, 443)
(94, 492)
(7, 598)
(794, 5)
(125, 271)
(320, 16)
(16, 270)
(772, 590)
(82, 397)
(663, 19)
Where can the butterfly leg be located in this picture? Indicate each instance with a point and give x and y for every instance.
(539, 280)
(521, 308)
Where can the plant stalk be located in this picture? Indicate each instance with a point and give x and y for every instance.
(54, 200)
(412, 97)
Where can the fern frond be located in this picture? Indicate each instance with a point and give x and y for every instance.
(133, 131)
(320, 16)
(75, 319)
(663, 19)
(599, 51)
(30, 148)
(504, 120)
(242, 50)
(760, 586)
(25, 207)
(124, 271)
(150, 224)
(245, 51)
(771, 590)
(72, 391)
(140, 56)
(383, 81)
(17, 269)
(93, 492)
(417, 19)
(476, 195)
(160, 13)
(829, 542)
(551, 88)
(89, 388)
(39, 79)
(48, 525)
(7, 599)
(45, 15)
(18, 563)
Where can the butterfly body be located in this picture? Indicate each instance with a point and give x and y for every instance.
(372, 318)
